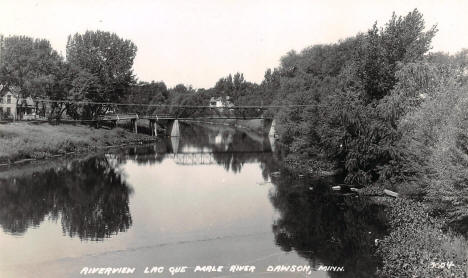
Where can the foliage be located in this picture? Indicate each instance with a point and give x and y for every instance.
(34, 67)
(107, 59)
(146, 93)
(416, 241)
(346, 85)
(434, 136)
(30, 64)
(403, 40)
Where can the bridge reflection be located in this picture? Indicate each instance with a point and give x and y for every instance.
(204, 146)
(207, 158)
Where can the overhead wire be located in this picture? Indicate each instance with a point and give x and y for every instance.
(174, 105)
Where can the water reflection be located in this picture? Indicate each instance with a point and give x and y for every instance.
(224, 146)
(176, 177)
(327, 228)
(89, 197)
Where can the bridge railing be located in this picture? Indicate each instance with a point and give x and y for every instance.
(117, 117)
(188, 112)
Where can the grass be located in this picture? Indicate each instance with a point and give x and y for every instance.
(23, 140)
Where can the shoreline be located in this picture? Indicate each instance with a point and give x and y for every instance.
(412, 227)
(24, 142)
(78, 152)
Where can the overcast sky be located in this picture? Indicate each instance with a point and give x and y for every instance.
(197, 42)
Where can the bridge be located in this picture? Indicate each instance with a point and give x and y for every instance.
(170, 122)
(202, 157)
(206, 158)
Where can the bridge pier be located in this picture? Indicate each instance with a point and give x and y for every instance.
(175, 132)
(269, 127)
(114, 123)
(153, 127)
(175, 140)
(134, 125)
(173, 129)
(272, 141)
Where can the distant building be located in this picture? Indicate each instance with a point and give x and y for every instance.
(221, 102)
(13, 107)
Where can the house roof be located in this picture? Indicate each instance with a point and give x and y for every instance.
(12, 89)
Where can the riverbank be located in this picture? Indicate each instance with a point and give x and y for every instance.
(419, 244)
(23, 141)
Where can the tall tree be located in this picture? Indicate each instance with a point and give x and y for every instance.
(403, 40)
(30, 64)
(107, 58)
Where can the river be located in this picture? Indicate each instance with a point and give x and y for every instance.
(213, 197)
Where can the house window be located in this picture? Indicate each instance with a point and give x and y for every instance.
(8, 99)
(8, 110)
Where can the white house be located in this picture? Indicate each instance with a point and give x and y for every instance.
(12, 106)
(221, 102)
(8, 102)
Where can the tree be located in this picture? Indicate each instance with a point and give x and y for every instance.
(403, 40)
(370, 137)
(30, 64)
(147, 93)
(107, 58)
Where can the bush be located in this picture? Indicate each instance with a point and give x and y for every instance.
(416, 241)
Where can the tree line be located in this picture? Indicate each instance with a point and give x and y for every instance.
(387, 112)
(97, 68)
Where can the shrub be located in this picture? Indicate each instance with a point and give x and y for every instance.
(416, 241)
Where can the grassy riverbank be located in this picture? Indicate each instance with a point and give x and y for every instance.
(24, 141)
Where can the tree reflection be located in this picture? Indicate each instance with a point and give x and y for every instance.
(90, 197)
(326, 228)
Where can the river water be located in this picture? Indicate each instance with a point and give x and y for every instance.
(215, 197)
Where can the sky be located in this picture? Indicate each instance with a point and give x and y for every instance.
(199, 41)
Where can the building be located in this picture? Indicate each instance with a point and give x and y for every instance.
(221, 102)
(8, 100)
(13, 107)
